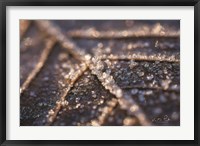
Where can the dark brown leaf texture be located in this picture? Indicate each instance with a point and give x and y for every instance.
(100, 73)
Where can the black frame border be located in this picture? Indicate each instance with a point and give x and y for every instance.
(5, 3)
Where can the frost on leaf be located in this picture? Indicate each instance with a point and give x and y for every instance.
(99, 73)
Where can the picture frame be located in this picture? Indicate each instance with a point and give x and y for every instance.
(3, 123)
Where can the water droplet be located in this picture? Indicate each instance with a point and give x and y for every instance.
(169, 66)
(87, 57)
(40, 104)
(77, 99)
(100, 45)
(62, 56)
(150, 77)
(65, 66)
(86, 80)
(149, 92)
(119, 93)
(108, 71)
(101, 101)
(107, 50)
(94, 123)
(165, 84)
(156, 44)
(53, 92)
(58, 102)
(146, 65)
(129, 47)
(94, 107)
(140, 73)
(165, 71)
(134, 91)
(64, 103)
(51, 112)
(175, 87)
(89, 102)
(118, 66)
(132, 64)
(129, 121)
(93, 94)
(134, 108)
(166, 118)
(78, 105)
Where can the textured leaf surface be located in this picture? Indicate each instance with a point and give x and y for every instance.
(108, 73)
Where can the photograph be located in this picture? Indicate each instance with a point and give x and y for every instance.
(99, 72)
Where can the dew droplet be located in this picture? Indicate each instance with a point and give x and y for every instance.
(40, 104)
(87, 57)
(64, 103)
(150, 77)
(134, 91)
(165, 84)
(94, 107)
(132, 64)
(140, 73)
(78, 105)
(165, 71)
(51, 112)
(129, 121)
(146, 65)
(93, 94)
(134, 108)
(156, 44)
(77, 99)
(166, 118)
(101, 101)
(149, 92)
